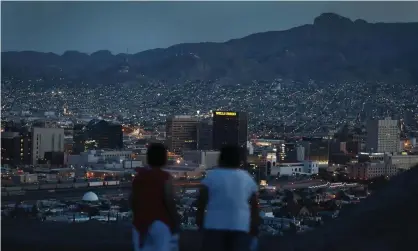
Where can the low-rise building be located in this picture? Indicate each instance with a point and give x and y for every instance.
(207, 159)
(295, 168)
(370, 170)
(132, 164)
(189, 171)
(92, 157)
(404, 162)
(25, 178)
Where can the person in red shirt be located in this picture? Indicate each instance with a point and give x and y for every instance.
(155, 216)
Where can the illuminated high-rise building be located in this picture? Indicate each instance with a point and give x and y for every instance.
(181, 133)
(230, 128)
(16, 146)
(97, 134)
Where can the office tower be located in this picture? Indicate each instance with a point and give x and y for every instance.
(316, 149)
(204, 135)
(16, 146)
(230, 128)
(290, 152)
(181, 133)
(54, 158)
(114, 136)
(79, 138)
(46, 140)
(383, 136)
(286, 153)
(101, 134)
(352, 147)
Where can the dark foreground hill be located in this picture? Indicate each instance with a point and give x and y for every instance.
(332, 48)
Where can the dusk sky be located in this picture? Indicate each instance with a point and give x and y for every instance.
(116, 26)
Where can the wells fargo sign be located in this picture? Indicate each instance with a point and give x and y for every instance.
(226, 113)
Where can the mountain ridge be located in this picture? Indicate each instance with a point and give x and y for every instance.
(332, 48)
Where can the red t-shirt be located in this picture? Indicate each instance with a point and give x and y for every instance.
(148, 199)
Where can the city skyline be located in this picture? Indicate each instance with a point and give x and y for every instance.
(138, 26)
(309, 109)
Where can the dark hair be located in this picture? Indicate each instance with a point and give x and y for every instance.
(230, 156)
(157, 155)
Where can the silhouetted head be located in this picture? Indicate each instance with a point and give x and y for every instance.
(157, 155)
(230, 156)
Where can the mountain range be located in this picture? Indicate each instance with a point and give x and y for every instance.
(333, 48)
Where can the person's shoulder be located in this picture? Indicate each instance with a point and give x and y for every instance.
(166, 175)
(244, 173)
(230, 171)
(211, 176)
(140, 173)
(247, 176)
(213, 171)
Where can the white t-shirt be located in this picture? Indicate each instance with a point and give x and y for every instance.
(229, 193)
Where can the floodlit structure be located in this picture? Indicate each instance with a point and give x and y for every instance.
(90, 197)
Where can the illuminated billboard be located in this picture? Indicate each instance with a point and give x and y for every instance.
(226, 113)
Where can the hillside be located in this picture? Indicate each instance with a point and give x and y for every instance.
(332, 48)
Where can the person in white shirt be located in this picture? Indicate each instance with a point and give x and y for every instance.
(227, 205)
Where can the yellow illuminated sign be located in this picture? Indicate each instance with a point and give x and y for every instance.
(226, 113)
